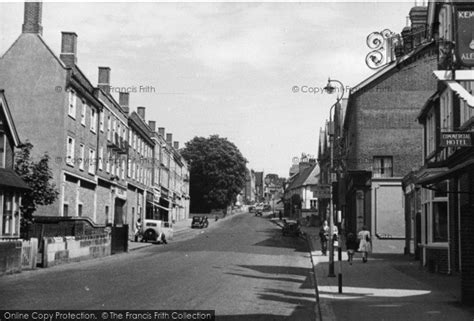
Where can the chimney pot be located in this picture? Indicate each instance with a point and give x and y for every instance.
(152, 125)
(124, 100)
(104, 79)
(32, 18)
(161, 131)
(169, 138)
(68, 48)
(141, 112)
(176, 145)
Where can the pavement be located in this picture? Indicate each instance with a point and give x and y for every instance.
(387, 287)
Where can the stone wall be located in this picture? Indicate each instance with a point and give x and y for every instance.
(60, 250)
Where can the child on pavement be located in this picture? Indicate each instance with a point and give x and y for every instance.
(351, 245)
(365, 243)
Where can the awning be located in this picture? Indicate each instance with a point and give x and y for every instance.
(10, 179)
(162, 207)
(445, 173)
(165, 198)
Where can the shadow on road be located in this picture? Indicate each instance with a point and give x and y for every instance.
(297, 315)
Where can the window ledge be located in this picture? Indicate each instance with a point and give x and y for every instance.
(437, 245)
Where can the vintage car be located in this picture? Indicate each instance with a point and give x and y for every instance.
(291, 228)
(156, 231)
(200, 222)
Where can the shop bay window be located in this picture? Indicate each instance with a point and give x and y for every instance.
(435, 211)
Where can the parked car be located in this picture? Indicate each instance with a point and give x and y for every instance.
(291, 228)
(156, 231)
(200, 222)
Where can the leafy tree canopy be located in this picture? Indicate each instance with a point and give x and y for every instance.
(37, 175)
(217, 172)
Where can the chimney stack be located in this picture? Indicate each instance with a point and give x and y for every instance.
(32, 18)
(141, 112)
(152, 125)
(169, 139)
(161, 131)
(419, 17)
(104, 79)
(124, 101)
(176, 145)
(68, 48)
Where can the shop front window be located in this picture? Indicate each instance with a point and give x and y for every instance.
(440, 222)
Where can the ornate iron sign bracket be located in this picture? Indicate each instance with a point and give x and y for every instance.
(382, 44)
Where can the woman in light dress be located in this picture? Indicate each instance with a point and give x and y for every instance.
(365, 243)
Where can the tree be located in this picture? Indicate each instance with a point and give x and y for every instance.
(217, 172)
(37, 175)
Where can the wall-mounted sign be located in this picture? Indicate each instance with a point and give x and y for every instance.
(321, 191)
(464, 17)
(456, 139)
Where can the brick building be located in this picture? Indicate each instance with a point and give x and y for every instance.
(103, 159)
(381, 139)
(58, 115)
(444, 225)
(112, 153)
(11, 185)
(140, 168)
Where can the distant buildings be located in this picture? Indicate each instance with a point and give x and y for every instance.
(250, 191)
(299, 198)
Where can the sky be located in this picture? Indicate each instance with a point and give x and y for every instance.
(229, 69)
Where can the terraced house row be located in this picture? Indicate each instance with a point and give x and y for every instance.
(107, 161)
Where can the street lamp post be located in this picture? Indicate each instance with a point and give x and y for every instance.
(330, 89)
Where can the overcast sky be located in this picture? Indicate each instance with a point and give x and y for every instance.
(223, 68)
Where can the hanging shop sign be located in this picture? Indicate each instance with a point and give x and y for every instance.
(464, 17)
(321, 191)
(456, 139)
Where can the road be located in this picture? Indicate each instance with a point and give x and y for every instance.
(242, 268)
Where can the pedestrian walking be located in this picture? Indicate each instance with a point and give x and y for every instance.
(365, 244)
(324, 237)
(352, 245)
(138, 227)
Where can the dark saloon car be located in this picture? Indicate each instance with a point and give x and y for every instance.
(199, 222)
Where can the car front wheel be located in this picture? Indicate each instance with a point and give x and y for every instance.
(150, 235)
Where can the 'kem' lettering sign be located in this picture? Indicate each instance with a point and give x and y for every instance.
(465, 35)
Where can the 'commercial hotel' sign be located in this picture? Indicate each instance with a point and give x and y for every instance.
(465, 35)
(456, 139)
